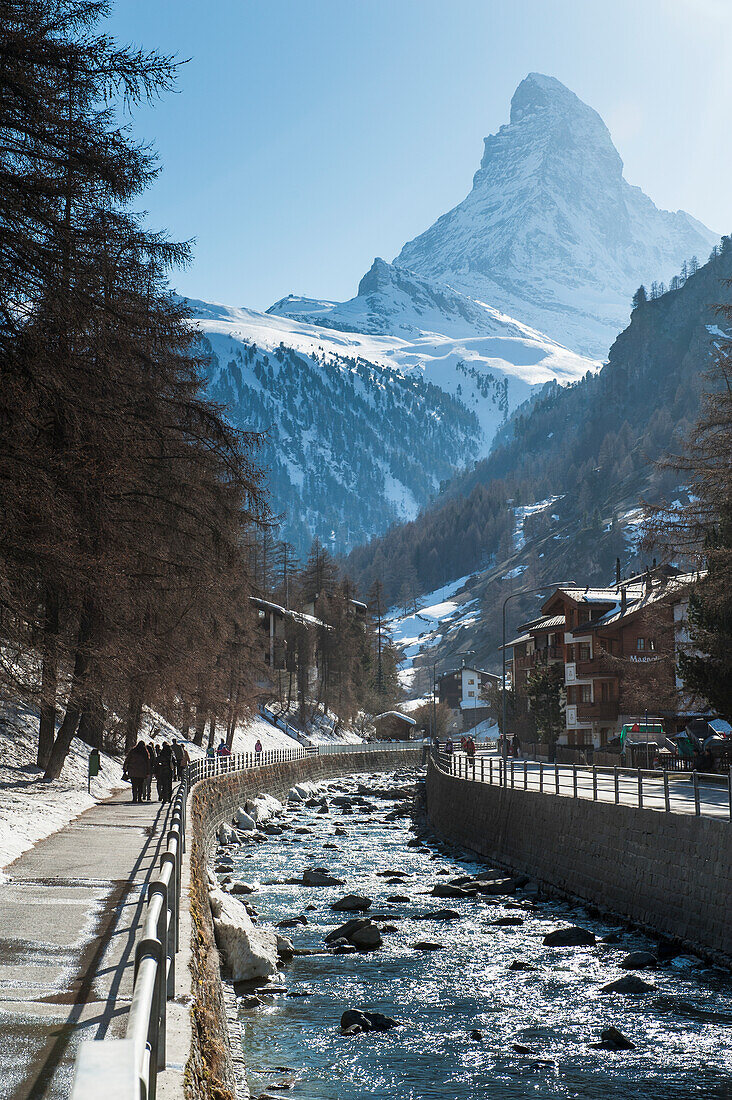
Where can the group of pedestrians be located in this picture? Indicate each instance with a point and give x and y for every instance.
(467, 745)
(164, 763)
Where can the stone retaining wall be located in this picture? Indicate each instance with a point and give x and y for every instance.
(671, 873)
(209, 1073)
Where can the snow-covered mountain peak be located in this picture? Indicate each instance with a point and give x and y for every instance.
(551, 232)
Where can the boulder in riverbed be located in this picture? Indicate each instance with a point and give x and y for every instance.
(351, 903)
(318, 877)
(612, 1039)
(245, 821)
(439, 914)
(355, 1020)
(639, 960)
(443, 890)
(570, 937)
(249, 952)
(631, 983)
(428, 945)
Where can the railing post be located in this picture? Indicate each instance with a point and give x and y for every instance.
(526, 775)
(729, 792)
(512, 773)
(666, 793)
(616, 780)
(640, 789)
(556, 778)
(574, 781)
(594, 783)
(541, 777)
(490, 776)
(697, 800)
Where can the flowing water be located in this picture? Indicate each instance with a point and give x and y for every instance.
(681, 1029)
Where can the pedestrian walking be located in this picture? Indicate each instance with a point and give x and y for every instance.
(258, 747)
(150, 750)
(137, 767)
(164, 773)
(177, 750)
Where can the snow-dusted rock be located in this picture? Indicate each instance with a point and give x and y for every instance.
(244, 820)
(249, 952)
(226, 834)
(263, 807)
(285, 947)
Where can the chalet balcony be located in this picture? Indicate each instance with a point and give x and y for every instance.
(598, 666)
(604, 710)
(540, 657)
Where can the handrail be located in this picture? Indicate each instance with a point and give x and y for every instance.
(589, 781)
(127, 1069)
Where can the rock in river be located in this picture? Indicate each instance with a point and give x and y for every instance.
(351, 903)
(427, 945)
(631, 983)
(439, 914)
(612, 1039)
(355, 1020)
(570, 937)
(639, 960)
(319, 877)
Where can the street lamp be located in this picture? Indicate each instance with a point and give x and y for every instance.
(511, 596)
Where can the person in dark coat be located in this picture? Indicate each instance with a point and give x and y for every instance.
(150, 750)
(137, 767)
(164, 773)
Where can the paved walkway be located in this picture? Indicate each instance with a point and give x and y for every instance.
(714, 799)
(67, 940)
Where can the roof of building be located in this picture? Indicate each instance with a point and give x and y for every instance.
(288, 613)
(466, 668)
(396, 714)
(639, 593)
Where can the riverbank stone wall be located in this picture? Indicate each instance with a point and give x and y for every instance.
(210, 1074)
(669, 873)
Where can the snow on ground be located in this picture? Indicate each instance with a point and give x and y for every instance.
(421, 630)
(31, 809)
(520, 514)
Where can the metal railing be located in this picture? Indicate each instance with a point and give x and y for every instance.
(698, 793)
(127, 1068)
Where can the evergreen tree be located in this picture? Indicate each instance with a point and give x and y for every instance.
(544, 691)
(640, 297)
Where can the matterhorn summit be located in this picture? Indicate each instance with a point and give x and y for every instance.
(551, 232)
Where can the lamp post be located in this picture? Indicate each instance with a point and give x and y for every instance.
(434, 700)
(511, 596)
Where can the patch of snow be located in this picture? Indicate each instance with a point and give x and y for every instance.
(30, 810)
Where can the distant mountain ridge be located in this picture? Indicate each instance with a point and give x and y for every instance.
(551, 232)
(573, 466)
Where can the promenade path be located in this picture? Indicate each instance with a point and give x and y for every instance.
(68, 920)
(714, 793)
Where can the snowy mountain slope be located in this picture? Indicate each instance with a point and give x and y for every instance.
(354, 442)
(483, 357)
(551, 232)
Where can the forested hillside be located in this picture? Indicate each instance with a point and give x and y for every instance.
(590, 448)
(349, 447)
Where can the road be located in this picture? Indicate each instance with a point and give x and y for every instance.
(714, 797)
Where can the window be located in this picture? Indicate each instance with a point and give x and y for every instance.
(585, 652)
(471, 680)
(471, 694)
(585, 693)
(640, 644)
(570, 653)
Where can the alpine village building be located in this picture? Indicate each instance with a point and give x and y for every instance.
(618, 646)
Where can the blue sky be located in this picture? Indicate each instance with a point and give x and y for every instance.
(308, 136)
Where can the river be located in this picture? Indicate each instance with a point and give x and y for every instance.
(681, 1029)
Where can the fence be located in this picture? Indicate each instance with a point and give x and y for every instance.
(127, 1069)
(696, 792)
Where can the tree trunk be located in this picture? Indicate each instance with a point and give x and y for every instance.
(76, 700)
(133, 715)
(212, 730)
(49, 678)
(200, 715)
(91, 723)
